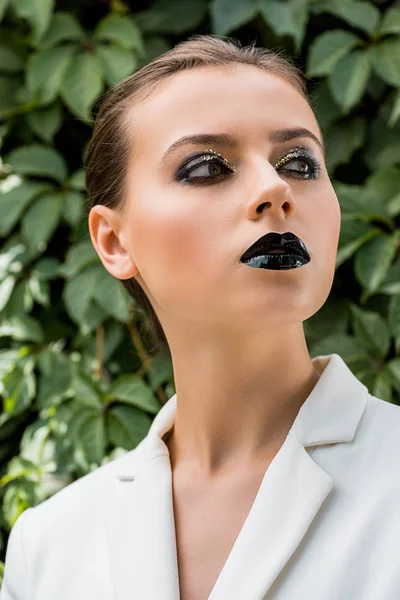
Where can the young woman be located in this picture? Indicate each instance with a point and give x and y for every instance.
(268, 475)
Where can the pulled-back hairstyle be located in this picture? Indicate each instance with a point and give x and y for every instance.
(109, 148)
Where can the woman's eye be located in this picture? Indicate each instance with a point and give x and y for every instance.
(307, 168)
(204, 170)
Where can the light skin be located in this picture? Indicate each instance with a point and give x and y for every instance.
(241, 365)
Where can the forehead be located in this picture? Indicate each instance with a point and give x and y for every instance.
(242, 99)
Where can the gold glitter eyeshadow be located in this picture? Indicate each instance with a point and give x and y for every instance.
(213, 152)
(289, 156)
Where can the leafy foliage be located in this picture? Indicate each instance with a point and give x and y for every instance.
(77, 383)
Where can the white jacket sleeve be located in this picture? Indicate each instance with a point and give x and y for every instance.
(15, 580)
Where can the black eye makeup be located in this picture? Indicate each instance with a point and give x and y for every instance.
(211, 166)
(311, 166)
(211, 163)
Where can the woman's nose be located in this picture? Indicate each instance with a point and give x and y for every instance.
(271, 194)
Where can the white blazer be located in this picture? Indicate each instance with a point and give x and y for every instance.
(325, 524)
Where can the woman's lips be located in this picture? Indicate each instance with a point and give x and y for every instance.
(277, 251)
(277, 261)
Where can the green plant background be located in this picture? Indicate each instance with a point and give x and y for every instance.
(79, 381)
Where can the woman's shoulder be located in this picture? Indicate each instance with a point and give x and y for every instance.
(86, 497)
(382, 418)
(374, 452)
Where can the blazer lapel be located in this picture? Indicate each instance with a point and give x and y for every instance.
(140, 521)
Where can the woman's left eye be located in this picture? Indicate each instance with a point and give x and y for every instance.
(308, 167)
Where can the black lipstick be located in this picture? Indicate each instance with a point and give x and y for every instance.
(277, 251)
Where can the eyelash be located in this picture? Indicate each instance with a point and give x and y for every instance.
(297, 153)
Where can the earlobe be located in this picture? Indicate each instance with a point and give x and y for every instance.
(107, 239)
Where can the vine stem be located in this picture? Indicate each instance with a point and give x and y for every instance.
(99, 351)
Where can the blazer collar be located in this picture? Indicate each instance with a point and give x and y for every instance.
(140, 521)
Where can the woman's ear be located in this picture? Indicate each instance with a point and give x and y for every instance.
(105, 229)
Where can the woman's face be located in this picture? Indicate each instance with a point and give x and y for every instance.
(186, 227)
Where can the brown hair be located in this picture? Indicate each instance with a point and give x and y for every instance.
(108, 152)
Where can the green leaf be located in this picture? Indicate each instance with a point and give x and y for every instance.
(119, 30)
(93, 316)
(15, 202)
(126, 426)
(10, 259)
(299, 10)
(3, 7)
(324, 107)
(19, 497)
(357, 13)
(172, 16)
(45, 71)
(79, 256)
(363, 232)
(73, 414)
(393, 369)
(78, 293)
(92, 437)
(40, 290)
(229, 15)
(395, 114)
(6, 289)
(386, 60)
(21, 301)
(287, 18)
(391, 283)
(394, 316)
(45, 122)
(12, 58)
(82, 84)
(348, 347)
(36, 12)
(22, 328)
(382, 387)
(40, 221)
(132, 390)
(8, 359)
(384, 182)
(342, 139)
(117, 63)
(63, 27)
(10, 86)
(72, 207)
(358, 202)
(327, 49)
(77, 180)
(33, 442)
(374, 259)
(19, 388)
(371, 330)
(154, 45)
(161, 370)
(46, 268)
(38, 160)
(332, 316)
(86, 390)
(390, 22)
(349, 78)
(112, 296)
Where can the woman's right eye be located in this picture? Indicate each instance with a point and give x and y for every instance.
(203, 171)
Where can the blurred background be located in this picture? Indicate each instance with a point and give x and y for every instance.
(80, 376)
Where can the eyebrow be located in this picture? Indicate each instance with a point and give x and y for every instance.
(225, 139)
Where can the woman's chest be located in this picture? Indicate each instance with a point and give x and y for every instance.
(206, 527)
